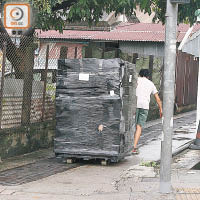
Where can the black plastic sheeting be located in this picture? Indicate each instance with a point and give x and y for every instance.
(93, 93)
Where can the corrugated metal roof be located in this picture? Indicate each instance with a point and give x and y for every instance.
(123, 32)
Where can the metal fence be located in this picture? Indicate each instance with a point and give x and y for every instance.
(186, 79)
(27, 93)
(28, 68)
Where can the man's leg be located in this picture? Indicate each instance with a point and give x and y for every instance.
(137, 135)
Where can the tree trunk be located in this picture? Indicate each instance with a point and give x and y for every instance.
(16, 55)
(27, 88)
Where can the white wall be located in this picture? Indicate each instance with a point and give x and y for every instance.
(198, 97)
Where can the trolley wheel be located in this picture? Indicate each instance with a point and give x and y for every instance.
(58, 155)
(70, 161)
(104, 162)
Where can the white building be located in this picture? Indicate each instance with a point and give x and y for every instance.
(192, 46)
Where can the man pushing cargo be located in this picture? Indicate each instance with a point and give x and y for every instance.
(144, 89)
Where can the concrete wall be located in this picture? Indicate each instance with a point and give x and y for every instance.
(21, 140)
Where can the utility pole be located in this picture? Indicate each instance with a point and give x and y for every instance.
(169, 93)
(168, 96)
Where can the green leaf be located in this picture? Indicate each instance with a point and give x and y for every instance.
(92, 10)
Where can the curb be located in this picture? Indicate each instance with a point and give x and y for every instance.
(182, 148)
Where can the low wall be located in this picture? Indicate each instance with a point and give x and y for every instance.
(186, 108)
(25, 139)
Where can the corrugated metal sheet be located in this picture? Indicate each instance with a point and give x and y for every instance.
(145, 48)
(131, 36)
(102, 35)
(123, 32)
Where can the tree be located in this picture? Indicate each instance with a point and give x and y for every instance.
(92, 10)
(53, 14)
(186, 12)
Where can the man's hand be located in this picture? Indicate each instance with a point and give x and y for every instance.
(100, 128)
(161, 113)
(159, 103)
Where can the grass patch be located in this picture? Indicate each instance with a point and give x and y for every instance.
(150, 164)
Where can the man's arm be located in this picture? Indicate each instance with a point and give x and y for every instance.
(159, 103)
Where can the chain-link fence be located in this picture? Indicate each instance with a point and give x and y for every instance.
(27, 79)
(28, 68)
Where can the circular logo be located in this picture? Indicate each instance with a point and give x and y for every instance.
(16, 14)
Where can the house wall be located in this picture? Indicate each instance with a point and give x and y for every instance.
(70, 50)
(143, 48)
(55, 48)
(193, 45)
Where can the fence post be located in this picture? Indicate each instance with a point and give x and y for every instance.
(88, 50)
(151, 59)
(27, 86)
(2, 81)
(45, 82)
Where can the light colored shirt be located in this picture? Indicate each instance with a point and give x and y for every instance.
(144, 89)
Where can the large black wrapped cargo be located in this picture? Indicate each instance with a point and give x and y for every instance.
(95, 108)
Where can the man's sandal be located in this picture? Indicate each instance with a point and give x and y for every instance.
(135, 151)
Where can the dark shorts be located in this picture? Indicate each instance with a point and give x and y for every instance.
(141, 116)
